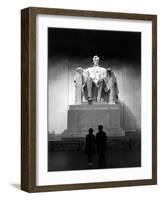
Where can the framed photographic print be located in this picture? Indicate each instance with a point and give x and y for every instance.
(88, 99)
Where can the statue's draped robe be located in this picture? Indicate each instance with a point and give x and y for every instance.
(80, 79)
(111, 88)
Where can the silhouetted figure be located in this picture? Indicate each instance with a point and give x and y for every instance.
(90, 146)
(101, 139)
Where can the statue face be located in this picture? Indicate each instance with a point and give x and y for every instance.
(95, 60)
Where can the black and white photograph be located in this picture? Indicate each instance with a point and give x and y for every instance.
(94, 99)
(89, 99)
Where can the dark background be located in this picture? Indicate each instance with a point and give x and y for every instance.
(86, 43)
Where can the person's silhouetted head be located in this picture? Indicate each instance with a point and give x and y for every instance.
(100, 127)
(90, 130)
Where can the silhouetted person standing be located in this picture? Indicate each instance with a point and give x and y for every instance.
(90, 146)
(101, 139)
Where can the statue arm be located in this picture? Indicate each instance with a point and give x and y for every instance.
(85, 75)
(104, 74)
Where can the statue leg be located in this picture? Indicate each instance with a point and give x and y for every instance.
(89, 88)
(99, 92)
(94, 92)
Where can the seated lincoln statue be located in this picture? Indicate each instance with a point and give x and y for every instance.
(95, 84)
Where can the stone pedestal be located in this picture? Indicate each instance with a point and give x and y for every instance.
(85, 116)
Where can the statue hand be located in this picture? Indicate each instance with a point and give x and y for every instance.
(101, 79)
(106, 89)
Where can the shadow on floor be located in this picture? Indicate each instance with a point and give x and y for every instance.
(15, 185)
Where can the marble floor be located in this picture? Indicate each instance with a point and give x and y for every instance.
(116, 157)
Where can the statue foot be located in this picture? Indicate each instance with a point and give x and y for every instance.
(100, 100)
(89, 99)
(112, 103)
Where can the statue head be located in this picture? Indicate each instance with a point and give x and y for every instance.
(95, 60)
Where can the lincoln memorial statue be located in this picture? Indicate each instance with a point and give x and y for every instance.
(96, 101)
(94, 83)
